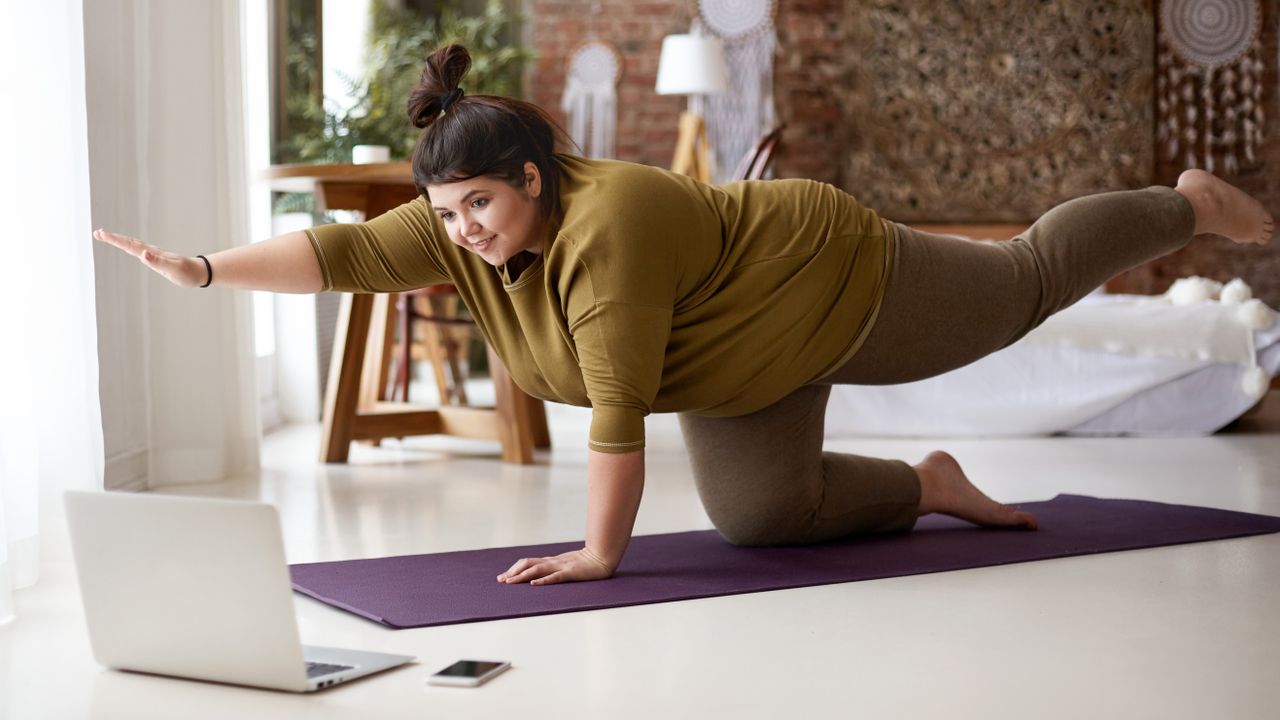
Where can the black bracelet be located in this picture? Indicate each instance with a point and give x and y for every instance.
(208, 267)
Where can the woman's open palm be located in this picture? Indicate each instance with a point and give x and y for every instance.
(180, 270)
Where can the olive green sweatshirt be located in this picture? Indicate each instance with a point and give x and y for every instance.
(653, 292)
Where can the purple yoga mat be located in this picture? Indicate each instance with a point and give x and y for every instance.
(458, 587)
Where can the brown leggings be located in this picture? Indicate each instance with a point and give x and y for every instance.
(764, 478)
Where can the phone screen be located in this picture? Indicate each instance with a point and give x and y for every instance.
(469, 669)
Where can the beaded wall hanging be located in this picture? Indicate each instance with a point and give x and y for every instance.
(736, 119)
(1209, 82)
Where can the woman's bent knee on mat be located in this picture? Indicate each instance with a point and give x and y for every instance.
(762, 530)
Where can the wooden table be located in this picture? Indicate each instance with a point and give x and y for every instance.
(353, 407)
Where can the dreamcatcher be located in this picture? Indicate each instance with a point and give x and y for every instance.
(591, 97)
(737, 118)
(1209, 82)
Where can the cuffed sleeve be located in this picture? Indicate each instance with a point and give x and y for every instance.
(616, 429)
(621, 348)
(390, 253)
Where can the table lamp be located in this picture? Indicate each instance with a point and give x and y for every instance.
(692, 65)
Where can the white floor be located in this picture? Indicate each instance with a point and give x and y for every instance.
(1185, 632)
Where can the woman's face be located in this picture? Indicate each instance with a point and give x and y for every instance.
(489, 217)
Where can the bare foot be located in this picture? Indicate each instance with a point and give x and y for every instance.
(1223, 209)
(944, 488)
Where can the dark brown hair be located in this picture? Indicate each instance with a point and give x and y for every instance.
(479, 135)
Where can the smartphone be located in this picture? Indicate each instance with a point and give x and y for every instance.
(468, 673)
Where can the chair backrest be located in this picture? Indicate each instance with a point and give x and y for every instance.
(755, 162)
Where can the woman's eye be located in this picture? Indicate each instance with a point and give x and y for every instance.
(480, 202)
(446, 216)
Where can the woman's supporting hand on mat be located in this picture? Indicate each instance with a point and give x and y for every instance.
(615, 482)
(569, 567)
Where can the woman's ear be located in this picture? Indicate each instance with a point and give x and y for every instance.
(532, 180)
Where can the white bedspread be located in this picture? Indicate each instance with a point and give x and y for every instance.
(1110, 365)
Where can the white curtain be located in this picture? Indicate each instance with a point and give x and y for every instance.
(50, 422)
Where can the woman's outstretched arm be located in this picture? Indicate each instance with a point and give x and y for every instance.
(283, 264)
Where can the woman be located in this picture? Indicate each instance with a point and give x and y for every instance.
(633, 290)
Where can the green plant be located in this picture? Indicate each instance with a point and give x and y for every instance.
(303, 114)
(400, 40)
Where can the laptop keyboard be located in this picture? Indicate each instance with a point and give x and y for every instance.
(316, 669)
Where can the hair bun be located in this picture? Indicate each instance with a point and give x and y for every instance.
(441, 75)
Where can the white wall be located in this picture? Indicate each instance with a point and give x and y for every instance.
(166, 156)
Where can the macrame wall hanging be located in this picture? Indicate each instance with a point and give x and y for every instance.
(591, 97)
(736, 119)
(1209, 82)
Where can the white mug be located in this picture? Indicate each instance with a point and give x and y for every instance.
(364, 154)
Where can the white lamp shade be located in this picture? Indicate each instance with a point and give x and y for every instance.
(692, 65)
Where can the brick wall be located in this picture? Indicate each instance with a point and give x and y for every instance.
(809, 74)
(809, 71)
(646, 130)
(807, 68)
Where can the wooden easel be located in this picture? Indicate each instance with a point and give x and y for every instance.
(691, 157)
(353, 407)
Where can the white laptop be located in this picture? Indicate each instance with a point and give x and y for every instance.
(197, 588)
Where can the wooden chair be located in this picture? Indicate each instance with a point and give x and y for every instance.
(444, 349)
(446, 354)
(753, 165)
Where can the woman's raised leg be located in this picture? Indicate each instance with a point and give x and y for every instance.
(951, 301)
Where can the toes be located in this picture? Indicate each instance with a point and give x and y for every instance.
(1027, 521)
(1018, 519)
